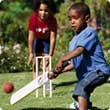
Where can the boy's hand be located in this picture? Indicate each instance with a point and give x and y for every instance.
(30, 58)
(53, 74)
(59, 66)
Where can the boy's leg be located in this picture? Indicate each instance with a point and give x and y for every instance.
(88, 84)
(83, 104)
(101, 79)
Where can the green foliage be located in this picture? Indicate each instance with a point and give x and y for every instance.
(107, 48)
(14, 17)
(62, 15)
(105, 41)
(62, 44)
(13, 28)
(13, 59)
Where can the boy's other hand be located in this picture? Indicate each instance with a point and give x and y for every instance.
(59, 66)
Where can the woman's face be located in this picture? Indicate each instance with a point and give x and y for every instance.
(43, 12)
(77, 20)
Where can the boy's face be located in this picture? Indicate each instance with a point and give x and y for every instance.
(77, 20)
(43, 12)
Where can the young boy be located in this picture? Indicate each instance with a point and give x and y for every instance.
(86, 55)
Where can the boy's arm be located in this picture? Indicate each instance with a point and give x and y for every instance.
(66, 67)
(30, 45)
(69, 56)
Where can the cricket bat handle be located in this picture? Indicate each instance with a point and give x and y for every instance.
(54, 73)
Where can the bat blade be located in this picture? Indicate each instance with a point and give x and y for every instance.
(33, 85)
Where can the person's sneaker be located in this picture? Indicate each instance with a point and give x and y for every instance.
(74, 106)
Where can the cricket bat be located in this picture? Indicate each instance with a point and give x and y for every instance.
(33, 85)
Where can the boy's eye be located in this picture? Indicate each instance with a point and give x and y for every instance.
(73, 17)
(69, 18)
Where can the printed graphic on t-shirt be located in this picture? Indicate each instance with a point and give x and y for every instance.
(41, 30)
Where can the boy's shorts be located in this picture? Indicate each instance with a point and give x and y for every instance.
(86, 86)
(41, 46)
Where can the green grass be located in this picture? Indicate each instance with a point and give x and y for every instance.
(63, 87)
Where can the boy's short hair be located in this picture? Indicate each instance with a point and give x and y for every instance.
(81, 8)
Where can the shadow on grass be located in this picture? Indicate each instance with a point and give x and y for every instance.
(93, 108)
(64, 84)
(108, 81)
(46, 109)
(59, 85)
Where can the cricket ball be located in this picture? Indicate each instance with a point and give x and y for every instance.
(8, 87)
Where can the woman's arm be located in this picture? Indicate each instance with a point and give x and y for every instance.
(52, 42)
(30, 45)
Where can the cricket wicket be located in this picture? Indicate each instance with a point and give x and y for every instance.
(44, 69)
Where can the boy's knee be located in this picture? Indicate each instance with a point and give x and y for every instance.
(80, 91)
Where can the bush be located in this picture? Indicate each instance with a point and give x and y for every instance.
(13, 59)
(105, 41)
(13, 21)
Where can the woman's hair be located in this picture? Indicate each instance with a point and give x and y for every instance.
(50, 3)
(81, 8)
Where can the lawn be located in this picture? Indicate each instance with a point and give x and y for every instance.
(61, 99)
